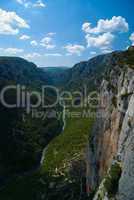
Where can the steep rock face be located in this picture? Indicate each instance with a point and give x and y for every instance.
(126, 150)
(113, 132)
(88, 73)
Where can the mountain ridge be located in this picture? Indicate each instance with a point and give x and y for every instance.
(106, 165)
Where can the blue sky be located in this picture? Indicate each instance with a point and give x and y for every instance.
(63, 32)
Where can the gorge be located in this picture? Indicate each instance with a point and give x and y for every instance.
(93, 157)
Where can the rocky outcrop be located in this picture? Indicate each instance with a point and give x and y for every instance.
(126, 150)
(112, 139)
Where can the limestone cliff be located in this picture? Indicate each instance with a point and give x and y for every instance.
(110, 150)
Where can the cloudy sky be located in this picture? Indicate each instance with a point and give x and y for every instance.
(64, 32)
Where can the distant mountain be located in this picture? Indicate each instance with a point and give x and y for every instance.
(21, 71)
(57, 75)
(55, 69)
(87, 73)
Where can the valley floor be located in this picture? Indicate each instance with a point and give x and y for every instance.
(62, 174)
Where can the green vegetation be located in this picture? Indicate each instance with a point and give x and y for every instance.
(109, 185)
(66, 148)
(22, 143)
(62, 175)
(126, 58)
(129, 57)
(21, 72)
(114, 101)
(126, 94)
(58, 75)
(23, 136)
(70, 144)
(112, 179)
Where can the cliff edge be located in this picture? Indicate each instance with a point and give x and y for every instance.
(110, 158)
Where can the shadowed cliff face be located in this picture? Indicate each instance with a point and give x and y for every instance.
(112, 136)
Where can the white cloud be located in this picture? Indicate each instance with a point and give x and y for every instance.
(32, 55)
(86, 27)
(93, 53)
(103, 34)
(106, 50)
(47, 42)
(37, 57)
(132, 38)
(51, 34)
(20, 1)
(39, 4)
(10, 23)
(24, 37)
(53, 54)
(34, 43)
(10, 51)
(103, 40)
(29, 4)
(74, 49)
(24, 3)
(116, 24)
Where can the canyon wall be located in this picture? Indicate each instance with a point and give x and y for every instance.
(111, 144)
